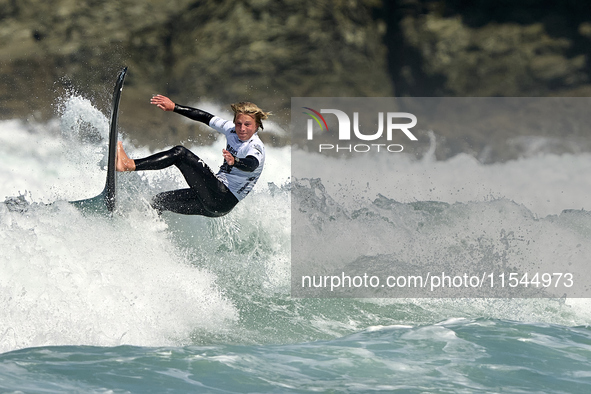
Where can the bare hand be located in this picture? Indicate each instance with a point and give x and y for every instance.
(162, 102)
(228, 157)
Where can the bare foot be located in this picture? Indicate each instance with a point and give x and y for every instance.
(124, 163)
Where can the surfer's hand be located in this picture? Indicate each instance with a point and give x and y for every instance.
(228, 157)
(162, 102)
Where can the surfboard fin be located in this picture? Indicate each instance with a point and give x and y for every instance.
(98, 204)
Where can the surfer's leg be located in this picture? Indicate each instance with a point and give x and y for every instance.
(207, 196)
(183, 201)
(123, 163)
(197, 174)
(174, 156)
(190, 202)
(157, 161)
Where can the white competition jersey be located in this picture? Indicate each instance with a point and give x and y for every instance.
(238, 181)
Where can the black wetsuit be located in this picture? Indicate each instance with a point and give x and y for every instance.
(207, 195)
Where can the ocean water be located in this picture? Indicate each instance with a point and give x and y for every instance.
(140, 303)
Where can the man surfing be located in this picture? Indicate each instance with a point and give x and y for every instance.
(209, 194)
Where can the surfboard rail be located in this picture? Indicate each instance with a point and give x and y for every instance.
(107, 199)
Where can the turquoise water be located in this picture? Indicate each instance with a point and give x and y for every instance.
(456, 356)
(139, 303)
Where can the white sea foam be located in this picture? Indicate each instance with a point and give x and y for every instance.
(67, 278)
(545, 184)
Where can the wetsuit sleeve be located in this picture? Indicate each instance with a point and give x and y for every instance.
(193, 113)
(249, 164)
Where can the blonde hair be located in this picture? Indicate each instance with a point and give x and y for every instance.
(248, 108)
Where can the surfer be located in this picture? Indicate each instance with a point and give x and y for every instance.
(209, 194)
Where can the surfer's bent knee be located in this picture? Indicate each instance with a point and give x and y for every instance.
(180, 151)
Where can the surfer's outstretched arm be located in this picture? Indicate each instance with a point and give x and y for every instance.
(167, 104)
(124, 163)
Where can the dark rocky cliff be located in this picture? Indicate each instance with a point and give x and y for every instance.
(268, 51)
(489, 48)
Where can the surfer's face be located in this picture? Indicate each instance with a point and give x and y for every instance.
(246, 126)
